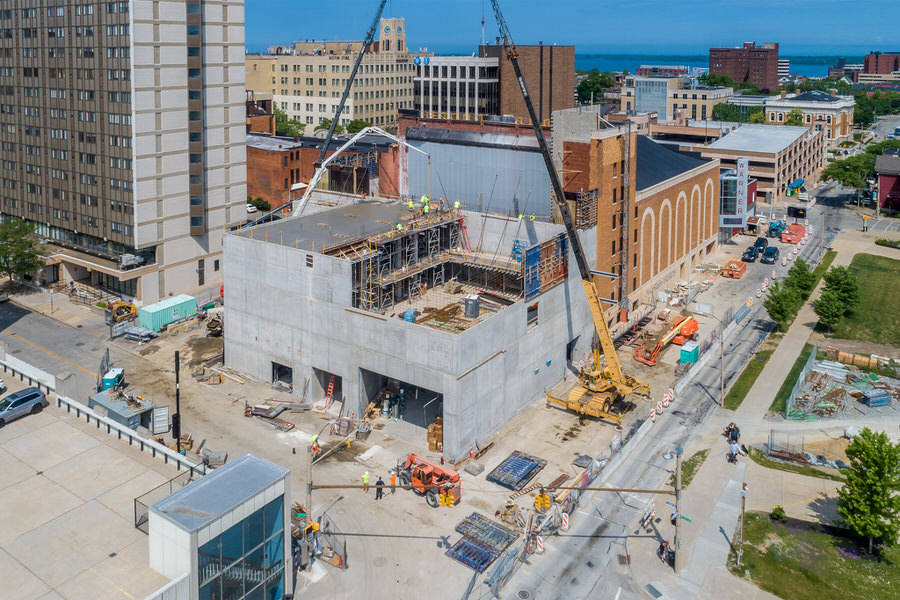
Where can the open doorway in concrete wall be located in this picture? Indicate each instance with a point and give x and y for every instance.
(571, 358)
(401, 401)
(282, 374)
(328, 387)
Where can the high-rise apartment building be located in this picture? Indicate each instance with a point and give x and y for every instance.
(456, 87)
(307, 80)
(883, 63)
(122, 132)
(751, 62)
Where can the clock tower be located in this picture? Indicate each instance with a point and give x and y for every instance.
(392, 35)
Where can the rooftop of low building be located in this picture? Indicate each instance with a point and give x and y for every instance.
(769, 139)
(657, 163)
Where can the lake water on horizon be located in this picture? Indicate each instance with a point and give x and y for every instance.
(609, 62)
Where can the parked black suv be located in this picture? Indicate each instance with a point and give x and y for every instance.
(750, 254)
(761, 244)
(769, 256)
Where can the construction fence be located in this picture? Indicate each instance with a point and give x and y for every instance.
(795, 409)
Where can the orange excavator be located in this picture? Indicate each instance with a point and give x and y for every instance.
(685, 329)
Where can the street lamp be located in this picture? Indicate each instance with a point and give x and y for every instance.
(721, 356)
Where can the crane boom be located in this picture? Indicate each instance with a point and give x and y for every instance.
(370, 35)
(614, 367)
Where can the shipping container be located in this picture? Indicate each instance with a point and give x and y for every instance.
(156, 316)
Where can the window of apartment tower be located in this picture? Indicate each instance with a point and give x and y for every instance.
(387, 45)
(615, 193)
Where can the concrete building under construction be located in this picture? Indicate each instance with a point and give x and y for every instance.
(465, 315)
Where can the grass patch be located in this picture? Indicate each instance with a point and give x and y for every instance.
(741, 387)
(888, 243)
(805, 563)
(823, 265)
(689, 468)
(760, 458)
(101, 304)
(779, 404)
(874, 320)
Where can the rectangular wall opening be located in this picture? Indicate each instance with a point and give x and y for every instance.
(282, 374)
(404, 401)
(325, 384)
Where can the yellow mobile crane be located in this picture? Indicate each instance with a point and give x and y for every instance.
(600, 388)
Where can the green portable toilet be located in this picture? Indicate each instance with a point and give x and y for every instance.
(690, 352)
(156, 316)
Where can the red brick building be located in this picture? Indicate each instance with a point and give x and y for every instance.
(276, 164)
(549, 73)
(751, 62)
(888, 170)
(881, 63)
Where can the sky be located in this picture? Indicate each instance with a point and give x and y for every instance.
(828, 27)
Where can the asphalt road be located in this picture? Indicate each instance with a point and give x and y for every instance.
(583, 562)
(885, 125)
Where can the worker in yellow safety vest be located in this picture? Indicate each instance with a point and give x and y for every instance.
(425, 200)
(399, 226)
(425, 209)
(412, 205)
(532, 217)
(456, 205)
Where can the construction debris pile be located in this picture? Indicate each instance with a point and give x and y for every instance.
(831, 389)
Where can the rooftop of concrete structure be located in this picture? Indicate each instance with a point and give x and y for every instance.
(482, 139)
(768, 139)
(334, 226)
(657, 163)
(887, 165)
(223, 490)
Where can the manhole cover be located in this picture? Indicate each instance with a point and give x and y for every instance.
(380, 561)
(525, 594)
(667, 455)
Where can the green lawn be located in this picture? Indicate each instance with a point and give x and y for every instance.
(745, 381)
(779, 404)
(802, 564)
(689, 468)
(761, 459)
(820, 269)
(875, 319)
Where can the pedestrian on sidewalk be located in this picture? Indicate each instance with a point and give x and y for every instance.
(393, 482)
(379, 488)
(365, 480)
(735, 450)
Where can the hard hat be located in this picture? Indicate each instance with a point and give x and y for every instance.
(367, 472)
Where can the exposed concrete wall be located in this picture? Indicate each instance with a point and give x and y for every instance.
(487, 374)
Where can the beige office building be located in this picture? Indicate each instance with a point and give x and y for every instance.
(307, 80)
(671, 98)
(122, 132)
(830, 113)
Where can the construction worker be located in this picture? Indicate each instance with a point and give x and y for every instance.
(425, 201)
(379, 488)
(399, 227)
(531, 217)
(412, 205)
(456, 206)
(365, 480)
(425, 209)
(393, 482)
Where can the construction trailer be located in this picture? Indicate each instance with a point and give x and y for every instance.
(472, 315)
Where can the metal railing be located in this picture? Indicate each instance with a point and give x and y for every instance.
(155, 449)
(143, 502)
(38, 379)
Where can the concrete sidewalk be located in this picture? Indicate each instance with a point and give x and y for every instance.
(60, 308)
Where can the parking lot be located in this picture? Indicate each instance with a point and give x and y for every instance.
(67, 508)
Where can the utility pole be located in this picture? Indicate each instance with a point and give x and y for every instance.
(309, 484)
(740, 548)
(678, 558)
(176, 418)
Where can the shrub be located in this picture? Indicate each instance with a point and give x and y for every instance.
(778, 514)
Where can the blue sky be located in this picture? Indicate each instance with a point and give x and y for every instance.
(622, 26)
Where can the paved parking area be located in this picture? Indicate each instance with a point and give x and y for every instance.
(67, 509)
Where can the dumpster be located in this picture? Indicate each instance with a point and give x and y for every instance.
(124, 409)
(156, 316)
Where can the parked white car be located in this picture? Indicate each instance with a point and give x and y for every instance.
(251, 209)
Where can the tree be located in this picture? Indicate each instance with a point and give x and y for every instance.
(781, 303)
(19, 255)
(326, 124)
(801, 278)
(757, 117)
(356, 125)
(795, 117)
(844, 283)
(852, 172)
(725, 111)
(287, 126)
(259, 203)
(592, 87)
(867, 503)
(829, 308)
